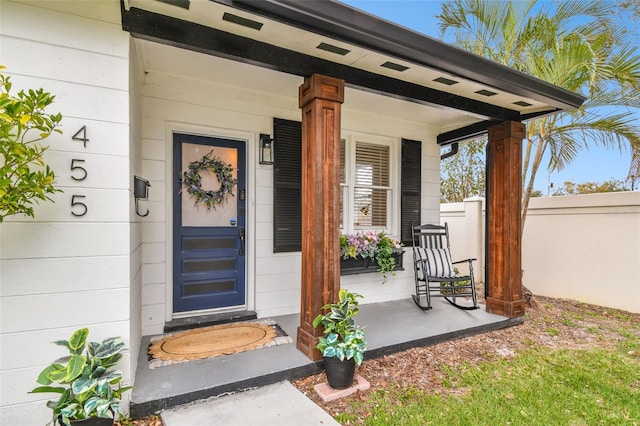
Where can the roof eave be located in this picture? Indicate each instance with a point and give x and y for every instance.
(339, 21)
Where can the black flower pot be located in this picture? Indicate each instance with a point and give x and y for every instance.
(339, 373)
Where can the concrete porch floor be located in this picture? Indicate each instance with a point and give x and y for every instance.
(390, 327)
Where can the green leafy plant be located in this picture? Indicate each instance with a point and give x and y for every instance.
(343, 338)
(88, 388)
(374, 245)
(24, 177)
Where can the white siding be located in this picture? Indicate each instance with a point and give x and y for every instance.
(172, 103)
(60, 272)
(136, 76)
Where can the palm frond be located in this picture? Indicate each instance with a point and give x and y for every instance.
(624, 67)
(569, 9)
(614, 130)
(614, 97)
(563, 150)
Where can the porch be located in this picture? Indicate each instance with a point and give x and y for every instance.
(391, 327)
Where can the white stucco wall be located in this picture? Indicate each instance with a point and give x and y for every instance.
(60, 272)
(585, 247)
(580, 247)
(176, 104)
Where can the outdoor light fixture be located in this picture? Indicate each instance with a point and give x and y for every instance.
(140, 192)
(266, 149)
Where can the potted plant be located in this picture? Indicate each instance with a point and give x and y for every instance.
(343, 344)
(90, 390)
(364, 250)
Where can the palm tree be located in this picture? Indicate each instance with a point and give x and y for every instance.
(575, 44)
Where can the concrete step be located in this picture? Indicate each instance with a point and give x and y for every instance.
(180, 324)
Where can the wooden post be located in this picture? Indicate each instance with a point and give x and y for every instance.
(320, 98)
(504, 191)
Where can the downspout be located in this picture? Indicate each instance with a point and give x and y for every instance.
(453, 151)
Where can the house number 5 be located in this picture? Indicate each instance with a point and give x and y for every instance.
(80, 172)
(80, 207)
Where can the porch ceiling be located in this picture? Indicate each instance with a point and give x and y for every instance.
(165, 59)
(327, 37)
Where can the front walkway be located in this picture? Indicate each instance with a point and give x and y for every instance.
(280, 404)
(390, 327)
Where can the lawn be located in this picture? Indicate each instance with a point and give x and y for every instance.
(563, 387)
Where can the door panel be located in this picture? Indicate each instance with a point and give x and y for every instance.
(209, 262)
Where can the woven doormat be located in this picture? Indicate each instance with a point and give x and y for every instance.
(217, 340)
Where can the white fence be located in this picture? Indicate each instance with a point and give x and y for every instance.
(581, 247)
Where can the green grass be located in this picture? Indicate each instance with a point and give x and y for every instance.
(553, 331)
(566, 387)
(593, 329)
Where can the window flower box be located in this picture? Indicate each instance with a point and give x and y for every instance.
(370, 252)
(363, 265)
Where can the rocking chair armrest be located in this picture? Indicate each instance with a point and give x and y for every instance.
(422, 263)
(463, 261)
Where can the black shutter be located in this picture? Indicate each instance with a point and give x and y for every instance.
(410, 188)
(287, 186)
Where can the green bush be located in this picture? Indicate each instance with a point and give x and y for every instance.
(24, 177)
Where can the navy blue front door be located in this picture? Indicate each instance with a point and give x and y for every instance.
(208, 239)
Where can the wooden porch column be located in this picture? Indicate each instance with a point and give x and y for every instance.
(504, 198)
(320, 98)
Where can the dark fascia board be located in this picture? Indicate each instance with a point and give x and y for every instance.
(350, 25)
(462, 134)
(477, 130)
(164, 29)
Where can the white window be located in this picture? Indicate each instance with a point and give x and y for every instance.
(366, 180)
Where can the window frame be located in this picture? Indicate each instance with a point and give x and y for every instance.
(348, 188)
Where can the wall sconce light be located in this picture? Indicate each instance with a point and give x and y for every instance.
(266, 149)
(140, 192)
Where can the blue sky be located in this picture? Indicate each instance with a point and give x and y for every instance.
(594, 165)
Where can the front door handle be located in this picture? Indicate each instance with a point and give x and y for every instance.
(241, 236)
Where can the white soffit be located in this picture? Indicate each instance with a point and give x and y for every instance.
(163, 59)
(209, 13)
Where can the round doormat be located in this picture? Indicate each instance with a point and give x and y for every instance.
(213, 341)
